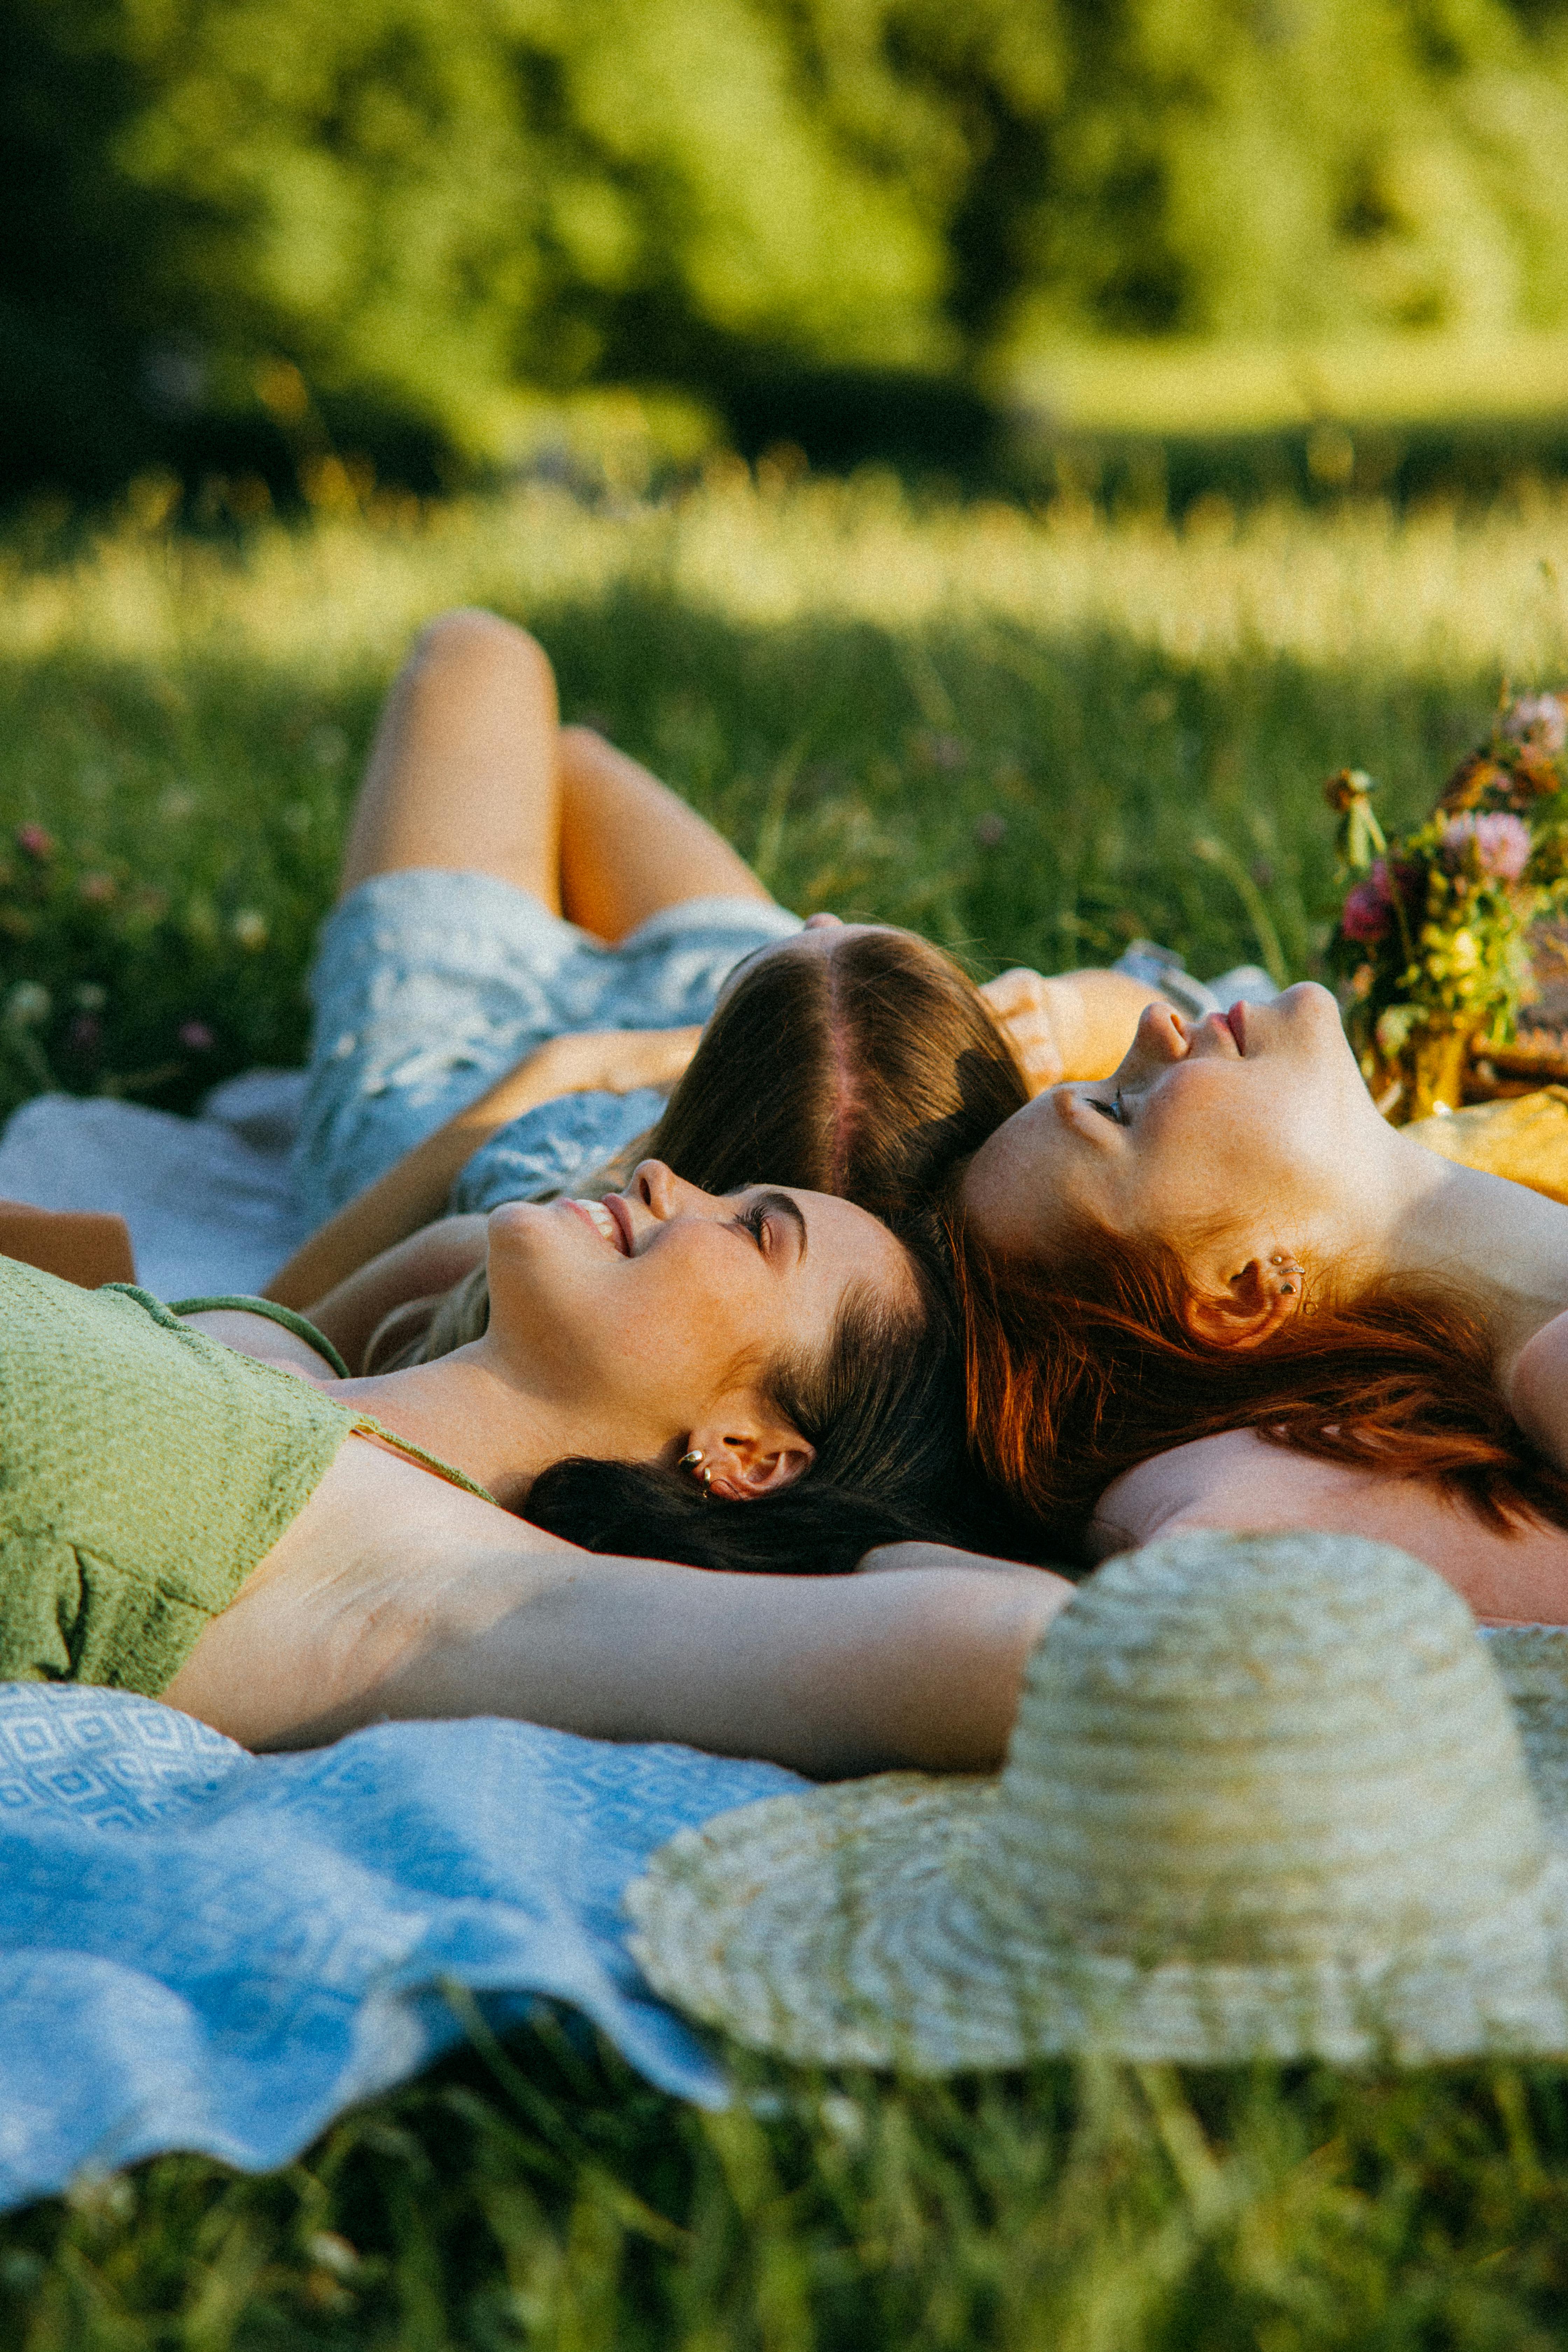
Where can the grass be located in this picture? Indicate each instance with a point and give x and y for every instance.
(1036, 737)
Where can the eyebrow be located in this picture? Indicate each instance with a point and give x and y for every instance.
(785, 1207)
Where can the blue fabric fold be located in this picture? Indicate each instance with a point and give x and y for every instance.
(205, 1949)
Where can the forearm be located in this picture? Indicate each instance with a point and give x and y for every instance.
(833, 1677)
(416, 1190)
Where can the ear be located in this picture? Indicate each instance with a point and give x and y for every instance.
(750, 1454)
(1253, 1304)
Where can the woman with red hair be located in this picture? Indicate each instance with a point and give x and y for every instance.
(1219, 1290)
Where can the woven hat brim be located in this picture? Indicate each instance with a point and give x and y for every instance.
(834, 1928)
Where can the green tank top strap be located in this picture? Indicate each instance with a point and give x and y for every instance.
(269, 1308)
(364, 1422)
(367, 1425)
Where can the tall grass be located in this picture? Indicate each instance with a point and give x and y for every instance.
(1035, 737)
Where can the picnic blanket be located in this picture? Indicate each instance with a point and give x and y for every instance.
(202, 1949)
(208, 1201)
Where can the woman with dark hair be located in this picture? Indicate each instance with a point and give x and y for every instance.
(199, 1505)
(507, 882)
(1220, 1290)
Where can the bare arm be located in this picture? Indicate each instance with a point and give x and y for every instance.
(833, 1677)
(426, 1264)
(1077, 1024)
(414, 1192)
(392, 1595)
(1535, 1387)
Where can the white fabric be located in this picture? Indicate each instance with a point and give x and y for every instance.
(209, 1201)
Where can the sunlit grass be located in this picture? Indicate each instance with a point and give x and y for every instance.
(1027, 735)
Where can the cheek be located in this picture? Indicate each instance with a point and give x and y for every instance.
(1005, 1192)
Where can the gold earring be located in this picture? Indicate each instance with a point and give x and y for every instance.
(708, 1486)
(690, 1461)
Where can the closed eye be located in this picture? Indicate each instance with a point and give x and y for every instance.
(1112, 1110)
(757, 1220)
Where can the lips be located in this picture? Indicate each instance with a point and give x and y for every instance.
(606, 1224)
(1236, 1022)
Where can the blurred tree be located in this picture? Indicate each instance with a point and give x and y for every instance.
(241, 231)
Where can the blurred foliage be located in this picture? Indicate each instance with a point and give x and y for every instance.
(261, 237)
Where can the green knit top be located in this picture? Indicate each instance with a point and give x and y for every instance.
(145, 1471)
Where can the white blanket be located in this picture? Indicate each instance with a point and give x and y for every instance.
(208, 1200)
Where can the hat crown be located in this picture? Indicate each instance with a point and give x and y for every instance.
(1282, 1747)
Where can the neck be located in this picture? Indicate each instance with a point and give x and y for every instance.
(1503, 1246)
(463, 1410)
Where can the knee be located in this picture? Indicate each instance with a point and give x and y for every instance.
(582, 745)
(475, 639)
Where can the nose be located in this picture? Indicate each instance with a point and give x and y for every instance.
(664, 1194)
(1162, 1034)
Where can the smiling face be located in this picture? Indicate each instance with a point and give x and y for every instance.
(1234, 1137)
(651, 1319)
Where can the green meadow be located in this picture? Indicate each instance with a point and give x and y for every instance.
(1035, 736)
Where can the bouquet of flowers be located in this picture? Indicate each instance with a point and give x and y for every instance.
(1432, 948)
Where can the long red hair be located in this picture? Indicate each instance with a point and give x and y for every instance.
(1079, 1372)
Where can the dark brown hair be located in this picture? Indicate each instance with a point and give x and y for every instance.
(1080, 1371)
(869, 1068)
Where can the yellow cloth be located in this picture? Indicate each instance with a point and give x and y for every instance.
(1525, 1138)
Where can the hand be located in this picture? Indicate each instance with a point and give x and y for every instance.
(613, 1061)
(1034, 1015)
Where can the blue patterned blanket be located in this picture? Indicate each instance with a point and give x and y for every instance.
(202, 1949)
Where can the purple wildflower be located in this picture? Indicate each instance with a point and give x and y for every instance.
(38, 843)
(1502, 843)
(1538, 719)
(197, 1036)
(1369, 907)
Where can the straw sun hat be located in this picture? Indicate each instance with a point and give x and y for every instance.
(1266, 1796)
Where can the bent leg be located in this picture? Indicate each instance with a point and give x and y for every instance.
(629, 847)
(463, 772)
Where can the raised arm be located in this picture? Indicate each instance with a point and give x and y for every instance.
(1536, 1389)
(831, 1675)
(396, 1596)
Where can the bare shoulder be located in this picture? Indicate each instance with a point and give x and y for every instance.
(266, 1343)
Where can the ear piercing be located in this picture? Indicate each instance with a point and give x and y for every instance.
(689, 1462)
(1289, 1266)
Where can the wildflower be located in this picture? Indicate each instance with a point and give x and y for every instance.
(1349, 794)
(90, 997)
(1368, 910)
(1472, 780)
(1501, 843)
(27, 1004)
(97, 889)
(1540, 720)
(197, 1036)
(37, 843)
(990, 830)
(85, 1032)
(250, 928)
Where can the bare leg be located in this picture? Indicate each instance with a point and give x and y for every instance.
(629, 847)
(471, 771)
(463, 772)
